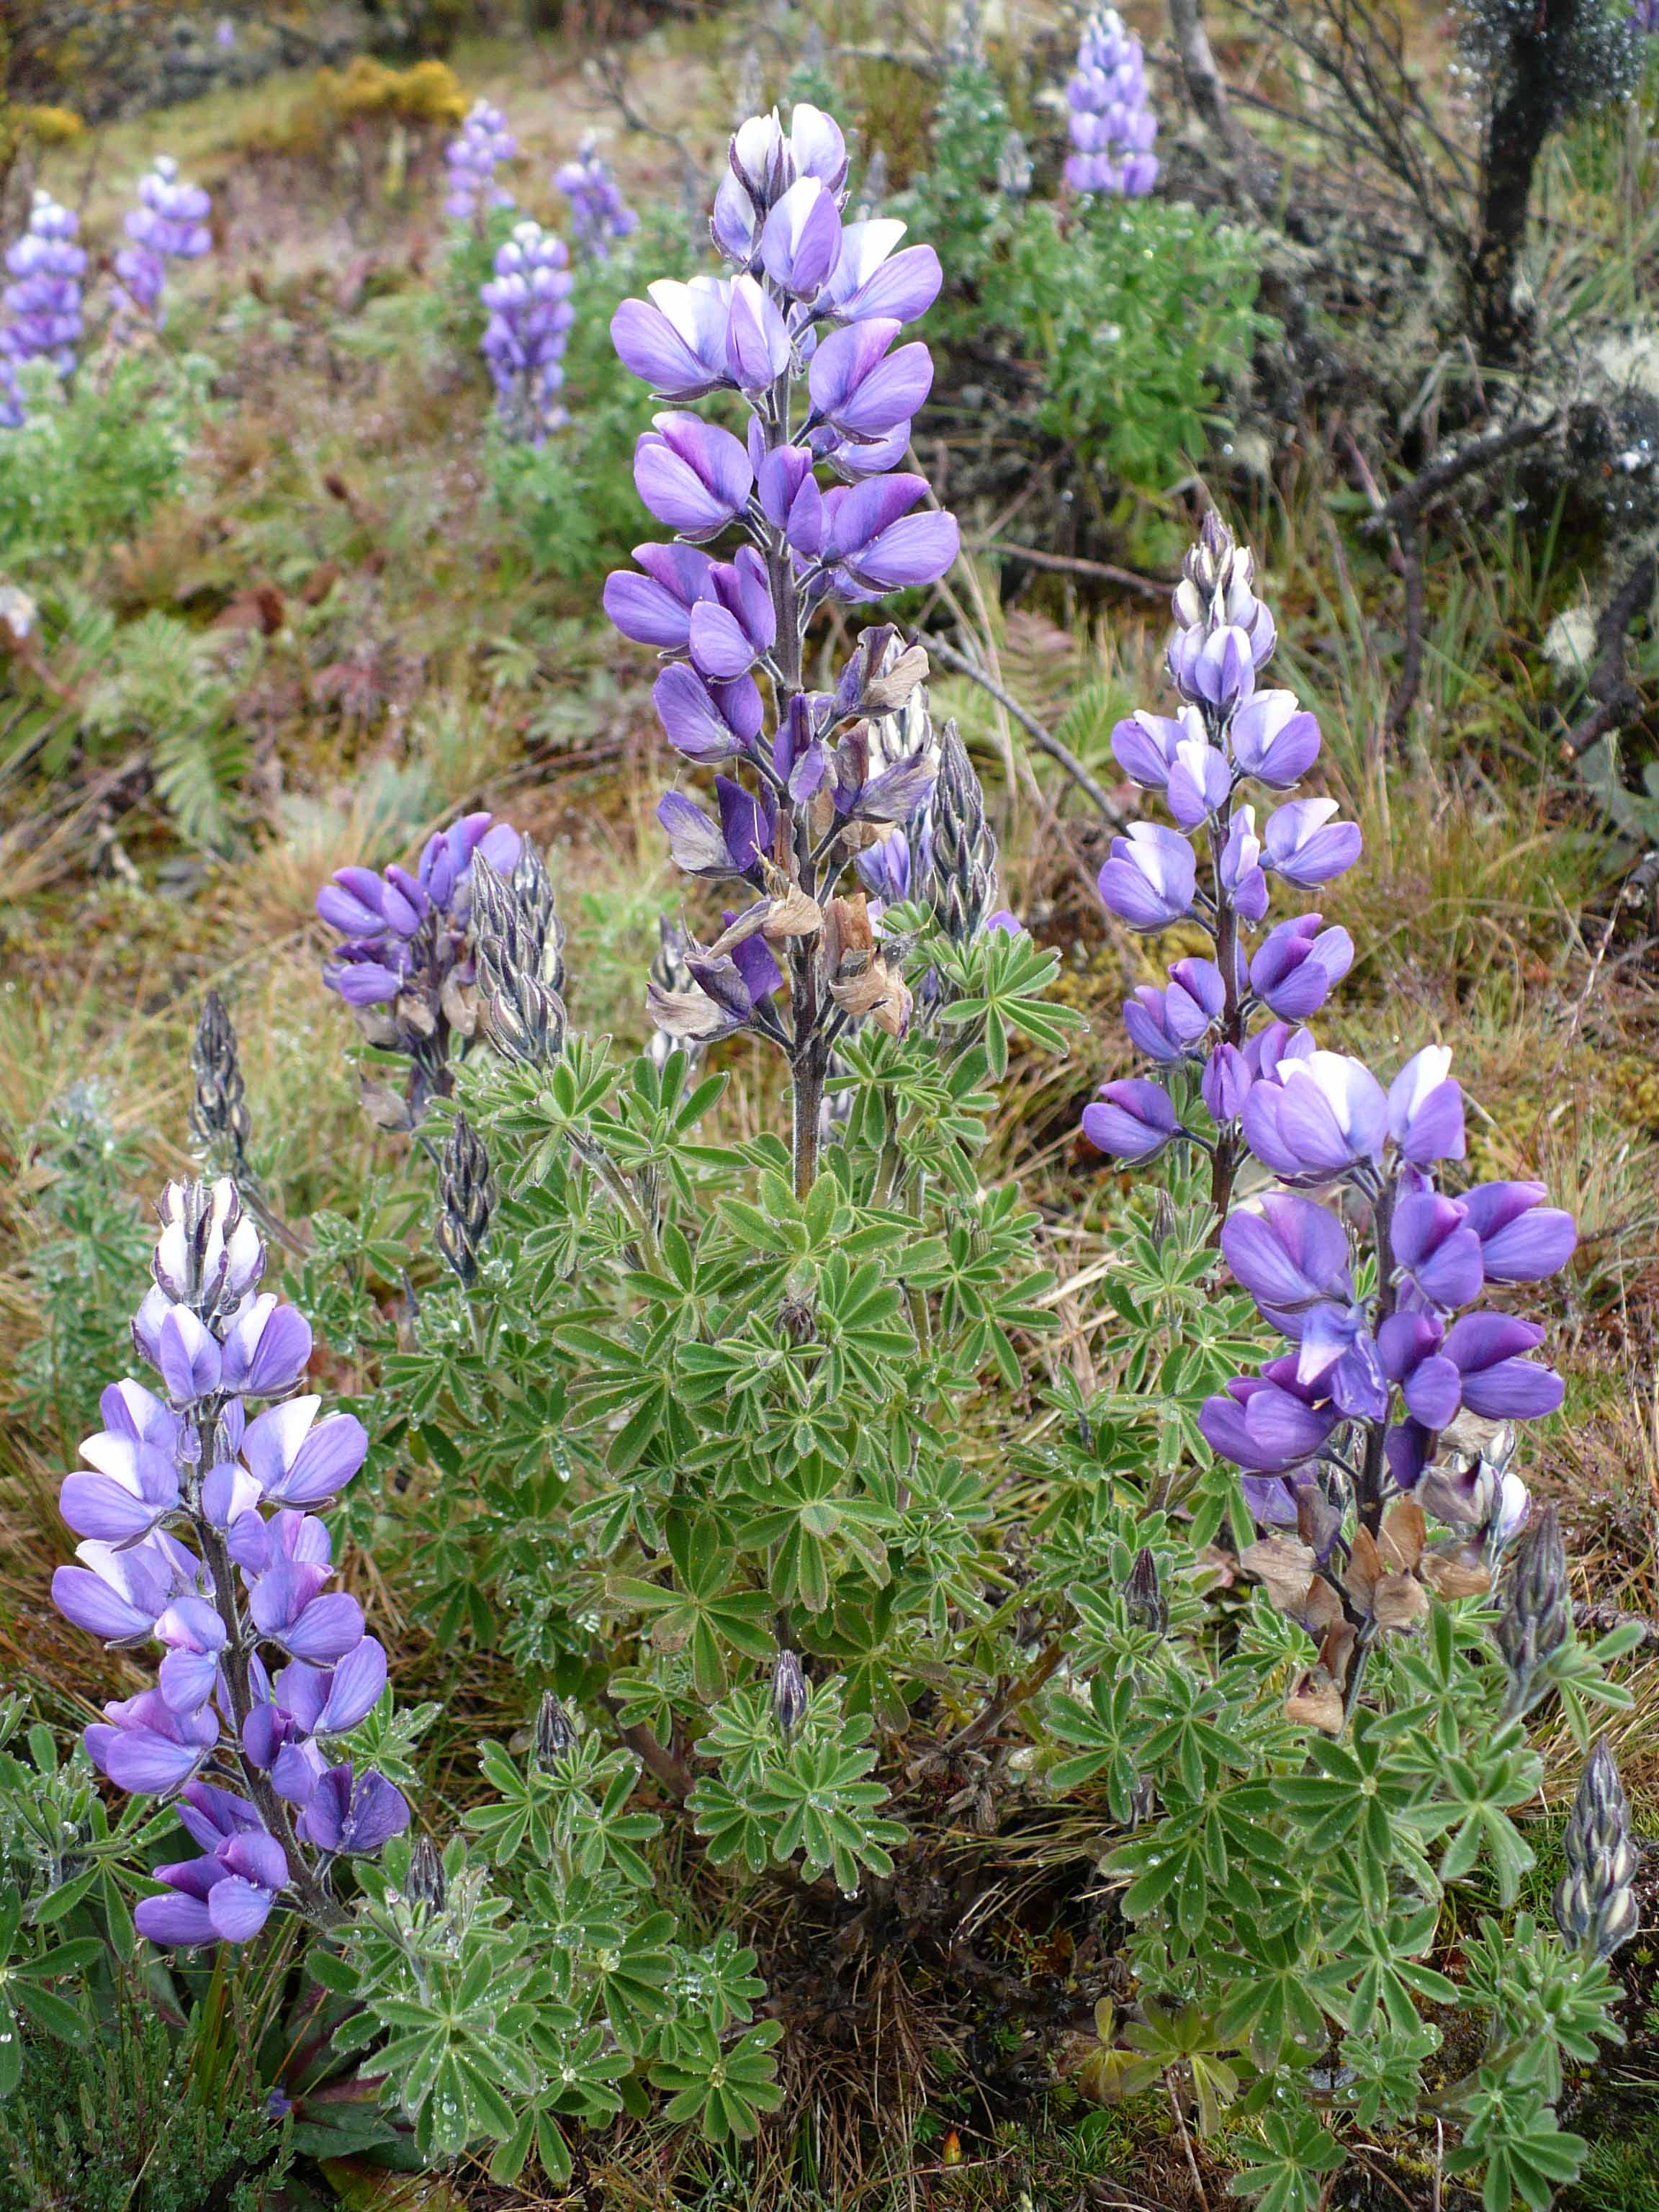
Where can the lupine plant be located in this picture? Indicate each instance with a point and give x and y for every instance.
(530, 316)
(199, 1534)
(43, 300)
(1109, 119)
(483, 143)
(169, 224)
(1407, 1747)
(598, 213)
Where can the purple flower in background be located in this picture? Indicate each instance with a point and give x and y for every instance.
(192, 1470)
(1109, 118)
(473, 156)
(43, 301)
(169, 224)
(598, 213)
(529, 327)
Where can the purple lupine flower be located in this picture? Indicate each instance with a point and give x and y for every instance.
(407, 963)
(598, 213)
(169, 224)
(529, 327)
(43, 301)
(1645, 14)
(807, 330)
(473, 156)
(194, 1465)
(1298, 965)
(1150, 878)
(1522, 1239)
(1269, 1423)
(1133, 1119)
(357, 1815)
(1109, 118)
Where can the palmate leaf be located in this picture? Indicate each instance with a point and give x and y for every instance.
(999, 983)
(727, 2092)
(806, 1519)
(1287, 2162)
(1512, 2133)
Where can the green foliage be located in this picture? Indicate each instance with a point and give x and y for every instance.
(107, 2128)
(167, 685)
(92, 467)
(957, 205)
(90, 1245)
(1142, 315)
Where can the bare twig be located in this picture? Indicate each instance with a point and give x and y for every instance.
(1209, 97)
(1043, 739)
(610, 72)
(1413, 500)
(1402, 517)
(1071, 564)
(1617, 699)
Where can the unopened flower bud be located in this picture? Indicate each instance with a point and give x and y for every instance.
(427, 1884)
(556, 1733)
(521, 946)
(1143, 1595)
(790, 1696)
(1537, 1618)
(961, 886)
(467, 1189)
(218, 1114)
(1595, 1906)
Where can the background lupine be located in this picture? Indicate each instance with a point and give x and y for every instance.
(201, 1532)
(170, 224)
(406, 966)
(598, 213)
(804, 331)
(1110, 120)
(43, 300)
(473, 156)
(529, 327)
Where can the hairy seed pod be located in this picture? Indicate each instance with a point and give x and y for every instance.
(555, 1733)
(427, 1884)
(789, 1693)
(466, 1187)
(520, 948)
(219, 1118)
(1537, 1617)
(1595, 1906)
(1143, 1593)
(961, 878)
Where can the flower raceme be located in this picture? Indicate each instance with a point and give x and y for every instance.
(807, 329)
(43, 300)
(1358, 1412)
(405, 964)
(529, 327)
(1109, 119)
(598, 213)
(472, 157)
(200, 1530)
(170, 224)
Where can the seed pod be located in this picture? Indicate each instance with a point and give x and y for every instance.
(556, 1733)
(1595, 1906)
(961, 878)
(790, 1696)
(1537, 1618)
(427, 1884)
(219, 1118)
(467, 1189)
(1143, 1595)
